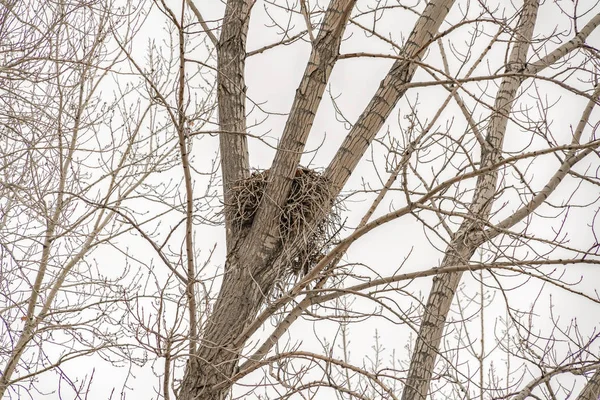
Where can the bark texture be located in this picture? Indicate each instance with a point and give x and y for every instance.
(591, 391)
(231, 94)
(390, 91)
(214, 361)
(325, 50)
(254, 259)
(250, 270)
(467, 239)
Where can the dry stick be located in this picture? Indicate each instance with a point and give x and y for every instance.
(202, 22)
(283, 42)
(457, 98)
(577, 41)
(343, 364)
(305, 13)
(523, 394)
(146, 237)
(52, 222)
(167, 372)
(526, 73)
(189, 191)
(179, 123)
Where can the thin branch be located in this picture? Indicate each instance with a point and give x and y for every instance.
(202, 22)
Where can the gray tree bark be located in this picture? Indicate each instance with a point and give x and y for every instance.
(591, 391)
(254, 263)
(250, 271)
(467, 239)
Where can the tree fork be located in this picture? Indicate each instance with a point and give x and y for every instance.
(249, 277)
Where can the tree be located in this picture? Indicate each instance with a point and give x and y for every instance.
(109, 196)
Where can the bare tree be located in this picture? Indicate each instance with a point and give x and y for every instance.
(71, 160)
(489, 173)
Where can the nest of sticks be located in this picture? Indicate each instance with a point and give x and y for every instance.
(309, 192)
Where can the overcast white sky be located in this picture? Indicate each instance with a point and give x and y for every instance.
(272, 78)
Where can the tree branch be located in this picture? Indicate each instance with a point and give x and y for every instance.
(231, 93)
(387, 96)
(591, 391)
(263, 235)
(200, 19)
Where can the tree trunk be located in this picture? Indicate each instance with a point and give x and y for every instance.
(254, 264)
(231, 93)
(464, 243)
(591, 391)
(242, 294)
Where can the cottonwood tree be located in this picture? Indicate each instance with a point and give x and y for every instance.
(71, 160)
(481, 139)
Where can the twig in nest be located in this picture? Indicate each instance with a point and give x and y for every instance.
(309, 192)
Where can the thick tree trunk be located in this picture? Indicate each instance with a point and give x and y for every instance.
(214, 361)
(252, 265)
(209, 371)
(591, 391)
(231, 93)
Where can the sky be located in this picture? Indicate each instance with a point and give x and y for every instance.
(406, 244)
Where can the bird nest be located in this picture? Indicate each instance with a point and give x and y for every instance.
(310, 191)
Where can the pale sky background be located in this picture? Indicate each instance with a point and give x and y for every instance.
(272, 78)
